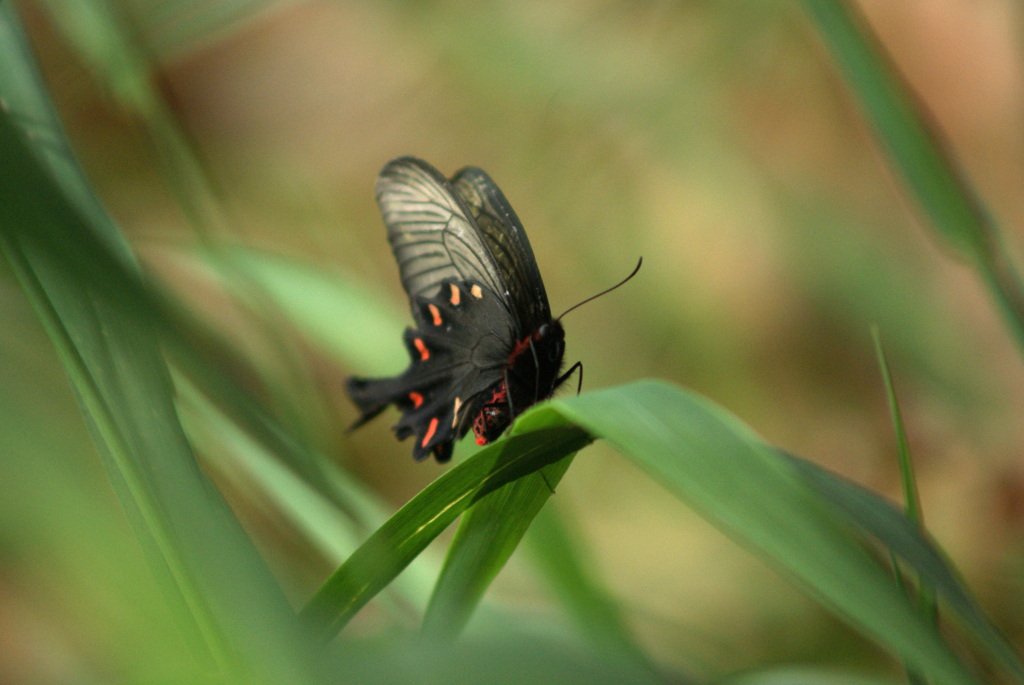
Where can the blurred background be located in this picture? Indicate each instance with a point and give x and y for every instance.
(714, 139)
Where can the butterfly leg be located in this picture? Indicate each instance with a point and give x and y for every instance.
(565, 376)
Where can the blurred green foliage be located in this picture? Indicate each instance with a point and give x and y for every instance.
(236, 145)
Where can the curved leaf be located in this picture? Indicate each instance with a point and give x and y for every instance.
(414, 526)
(486, 538)
(751, 491)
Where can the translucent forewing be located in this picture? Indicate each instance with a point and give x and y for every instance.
(432, 233)
(464, 229)
(510, 249)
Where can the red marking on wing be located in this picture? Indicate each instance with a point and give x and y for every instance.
(456, 295)
(430, 432)
(435, 312)
(416, 399)
(424, 352)
(521, 346)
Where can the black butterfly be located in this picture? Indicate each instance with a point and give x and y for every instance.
(485, 346)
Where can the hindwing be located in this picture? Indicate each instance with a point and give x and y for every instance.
(457, 355)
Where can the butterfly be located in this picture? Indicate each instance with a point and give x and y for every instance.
(485, 346)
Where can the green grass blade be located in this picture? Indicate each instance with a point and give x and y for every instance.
(597, 615)
(912, 505)
(910, 140)
(905, 539)
(908, 481)
(487, 535)
(414, 526)
(919, 153)
(77, 271)
(803, 676)
(725, 472)
(910, 497)
(346, 321)
(795, 514)
(513, 652)
(330, 516)
(194, 544)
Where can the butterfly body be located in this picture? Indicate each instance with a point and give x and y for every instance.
(485, 346)
(532, 370)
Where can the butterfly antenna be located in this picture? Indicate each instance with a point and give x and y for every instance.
(604, 292)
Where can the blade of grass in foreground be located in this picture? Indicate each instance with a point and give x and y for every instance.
(194, 544)
(919, 154)
(750, 490)
(77, 270)
(799, 516)
(488, 534)
(414, 526)
(484, 541)
(332, 526)
(905, 539)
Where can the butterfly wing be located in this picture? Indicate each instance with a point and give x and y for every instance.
(457, 353)
(432, 233)
(460, 230)
(509, 247)
(475, 294)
